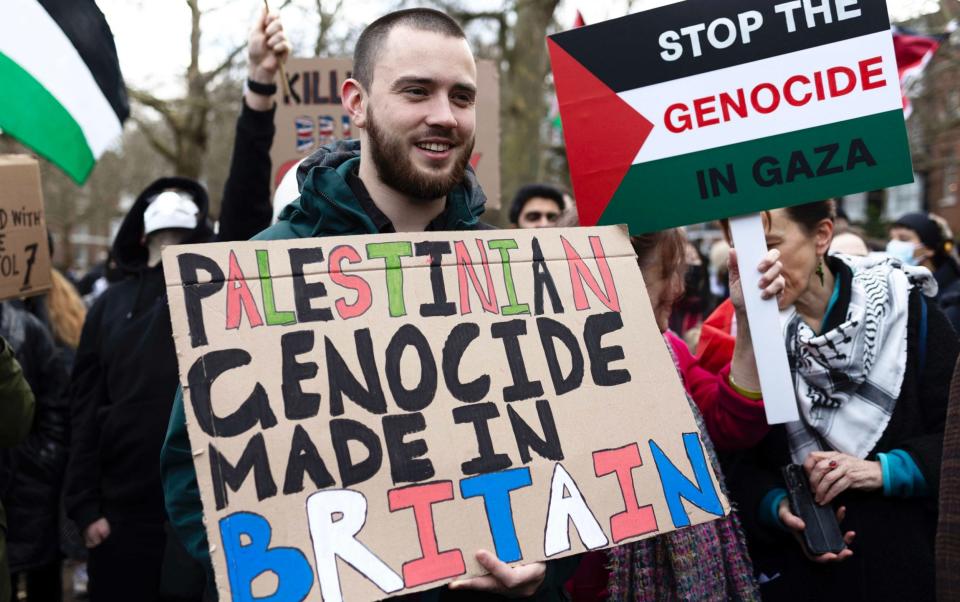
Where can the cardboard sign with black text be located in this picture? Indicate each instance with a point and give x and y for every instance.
(313, 116)
(24, 251)
(366, 412)
(701, 110)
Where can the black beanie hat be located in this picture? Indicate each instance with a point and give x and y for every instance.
(926, 229)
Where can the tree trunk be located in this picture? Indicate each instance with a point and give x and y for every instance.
(192, 139)
(326, 19)
(65, 247)
(522, 96)
(187, 118)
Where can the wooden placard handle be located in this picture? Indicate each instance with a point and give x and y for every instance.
(283, 72)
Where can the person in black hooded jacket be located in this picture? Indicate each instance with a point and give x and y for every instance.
(125, 373)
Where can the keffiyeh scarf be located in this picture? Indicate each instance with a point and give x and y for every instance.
(848, 379)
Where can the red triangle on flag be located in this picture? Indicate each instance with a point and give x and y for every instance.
(602, 132)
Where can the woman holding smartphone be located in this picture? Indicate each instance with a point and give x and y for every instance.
(871, 358)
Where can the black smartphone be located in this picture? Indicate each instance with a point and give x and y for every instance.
(822, 534)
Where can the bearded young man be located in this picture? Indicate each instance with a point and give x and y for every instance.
(412, 99)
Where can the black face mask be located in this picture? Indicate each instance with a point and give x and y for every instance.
(695, 279)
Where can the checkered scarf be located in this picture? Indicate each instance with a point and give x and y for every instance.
(848, 379)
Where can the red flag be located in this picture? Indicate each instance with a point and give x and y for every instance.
(579, 22)
(913, 53)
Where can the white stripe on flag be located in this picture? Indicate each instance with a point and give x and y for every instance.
(32, 39)
(652, 101)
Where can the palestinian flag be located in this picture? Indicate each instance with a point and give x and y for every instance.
(702, 109)
(62, 91)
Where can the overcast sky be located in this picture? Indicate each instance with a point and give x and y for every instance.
(153, 37)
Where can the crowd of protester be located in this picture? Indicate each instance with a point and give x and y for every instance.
(96, 466)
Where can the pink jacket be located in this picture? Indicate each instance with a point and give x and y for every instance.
(733, 421)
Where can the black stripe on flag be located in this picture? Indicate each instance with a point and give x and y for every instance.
(87, 29)
(624, 53)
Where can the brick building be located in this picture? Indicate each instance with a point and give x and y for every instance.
(934, 125)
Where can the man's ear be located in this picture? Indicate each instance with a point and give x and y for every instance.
(354, 98)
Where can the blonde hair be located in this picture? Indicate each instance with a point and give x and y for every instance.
(66, 309)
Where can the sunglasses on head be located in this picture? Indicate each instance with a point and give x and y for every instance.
(536, 216)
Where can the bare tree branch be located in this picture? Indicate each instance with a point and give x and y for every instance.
(197, 103)
(163, 107)
(154, 140)
(465, 16)
(227, 62)
(149, 100)
(195, 14)
(327, 18)
(209, 11)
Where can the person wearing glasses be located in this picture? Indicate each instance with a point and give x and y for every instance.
(537, 206)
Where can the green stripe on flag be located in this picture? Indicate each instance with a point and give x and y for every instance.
(29, 113)
(667, 193)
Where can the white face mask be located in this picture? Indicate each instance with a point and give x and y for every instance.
(903, 250)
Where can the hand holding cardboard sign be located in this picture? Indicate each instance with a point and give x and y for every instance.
(514, 582)
(267, 47)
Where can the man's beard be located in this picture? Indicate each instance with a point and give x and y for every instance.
(391, 156)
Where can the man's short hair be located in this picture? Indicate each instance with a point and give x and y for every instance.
(374, 35)
(530, 191)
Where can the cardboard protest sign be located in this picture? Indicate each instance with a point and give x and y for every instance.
(24, 252)
(400, 401)
(312, 116)
(702, 110)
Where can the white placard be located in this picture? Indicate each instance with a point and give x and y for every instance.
(779, 398)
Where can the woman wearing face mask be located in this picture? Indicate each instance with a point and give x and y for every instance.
(708, 561)
(918, 239)
(871, 360)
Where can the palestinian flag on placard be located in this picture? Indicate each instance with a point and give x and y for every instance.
(61, 91)
(647, 115)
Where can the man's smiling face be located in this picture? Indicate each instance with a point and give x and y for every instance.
(421, 112)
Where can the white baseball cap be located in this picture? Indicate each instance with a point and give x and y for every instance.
(170, 209)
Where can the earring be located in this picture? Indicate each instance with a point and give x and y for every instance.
(820, 271)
